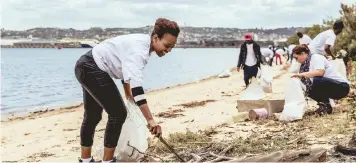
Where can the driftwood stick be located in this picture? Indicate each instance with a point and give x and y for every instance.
(226, 149)
(196, 157)
(219, 158)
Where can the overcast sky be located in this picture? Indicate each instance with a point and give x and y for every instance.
(83, 14)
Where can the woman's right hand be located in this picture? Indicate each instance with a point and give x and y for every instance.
(154, 128)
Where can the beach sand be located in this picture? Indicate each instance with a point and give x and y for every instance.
(54, 135)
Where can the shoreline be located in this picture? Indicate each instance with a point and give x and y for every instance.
(21, 114)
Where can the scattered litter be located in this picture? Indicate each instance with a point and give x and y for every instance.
(171, 114)
(225, 74)
(256, 114)
(195, 103)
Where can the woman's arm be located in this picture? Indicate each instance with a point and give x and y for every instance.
(127, 90)
(313, 73)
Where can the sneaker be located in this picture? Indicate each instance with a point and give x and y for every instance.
(92, 160)
(113, 160)
(324, 108)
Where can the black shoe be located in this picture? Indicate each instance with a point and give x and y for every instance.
(324, 108)
(92, 160)
(114, 159)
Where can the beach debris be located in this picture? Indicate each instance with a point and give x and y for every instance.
(195, 104)
(345, 150)
(256, 114)
(171, 113)
(225, 74)
(36, 156)
(69, 129)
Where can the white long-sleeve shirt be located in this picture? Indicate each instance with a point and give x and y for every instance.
(124, 57)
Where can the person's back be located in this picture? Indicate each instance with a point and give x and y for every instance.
(110, 53)
(330, 71)
(323, 42)
(305, 40)
(266, 52)
(317, 45)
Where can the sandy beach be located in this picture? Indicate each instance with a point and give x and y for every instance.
(54, 135)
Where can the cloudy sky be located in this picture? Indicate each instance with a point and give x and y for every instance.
(83, 14)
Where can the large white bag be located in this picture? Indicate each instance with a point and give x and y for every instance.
(266, 79)
(295, 103)
(339, 65)
(133, 141)
(295, 66)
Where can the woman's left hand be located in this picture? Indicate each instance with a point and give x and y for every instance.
(298, 76)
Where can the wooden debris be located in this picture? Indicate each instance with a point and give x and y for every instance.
(345, 150)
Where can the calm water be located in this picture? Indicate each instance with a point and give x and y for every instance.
(35, 79)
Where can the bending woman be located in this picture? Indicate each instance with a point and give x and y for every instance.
(123, 57)
(322, 81)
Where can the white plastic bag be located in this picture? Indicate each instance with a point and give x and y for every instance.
(266, 79)
(295, 66)
(295, 103)
(133, 141)
(225, 74)
(254, 91)
(339, 65)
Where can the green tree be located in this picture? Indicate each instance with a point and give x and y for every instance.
(347, 39)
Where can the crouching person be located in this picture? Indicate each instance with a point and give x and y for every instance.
(322, 81)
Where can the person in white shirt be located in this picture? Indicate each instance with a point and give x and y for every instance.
(321, 80)
(303, 38)
(266, 53)
(278, 54)
(249, 58)
(290, 50)
(323, 42)
(123, 57)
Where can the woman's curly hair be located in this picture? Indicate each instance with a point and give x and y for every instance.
(164, 26)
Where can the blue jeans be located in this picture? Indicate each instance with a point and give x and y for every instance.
(249, 72)
(324, 89)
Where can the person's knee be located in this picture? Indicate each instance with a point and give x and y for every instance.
(92, 119)
(317, 80)
(118, 116)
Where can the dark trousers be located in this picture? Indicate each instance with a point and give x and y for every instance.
(99, 92)
(288, 56)
(271, 61)
(324, 89)
(249, 72)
